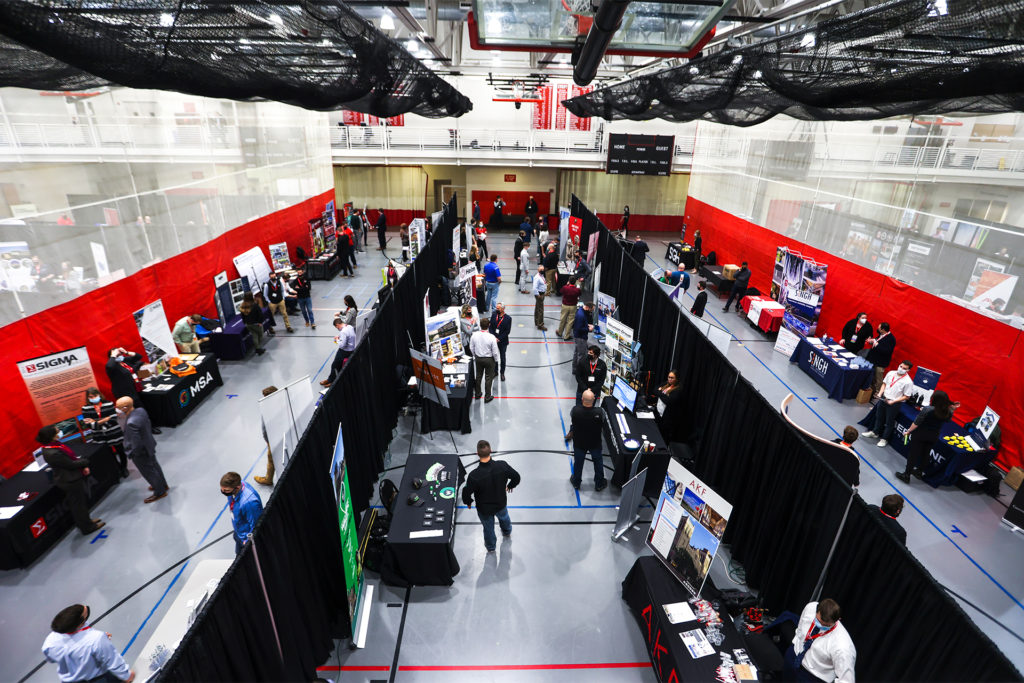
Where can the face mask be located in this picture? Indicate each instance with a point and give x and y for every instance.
(901, 371)
(118, 411)
(94, 399)
(863, 321)
(119, 358)
(60, 435)
(819, 624)
(228, 495)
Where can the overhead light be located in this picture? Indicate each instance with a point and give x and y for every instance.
(276, 19)
(166, 19)
(757, 74)
(411, 45)
(386, 22)
(808, 40)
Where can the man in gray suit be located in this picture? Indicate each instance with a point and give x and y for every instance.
(141, 446)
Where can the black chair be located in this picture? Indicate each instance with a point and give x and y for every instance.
(388, 495)
(711, 259)
(682, 453)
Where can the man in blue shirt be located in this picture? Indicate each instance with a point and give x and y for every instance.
(526, 228)
(246, 507)
(82, 653)
(581, 329)
(492, 280)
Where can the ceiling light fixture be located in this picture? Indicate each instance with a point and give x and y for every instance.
(411, 45)
(276, 19)
(166, 19)
(386, 22)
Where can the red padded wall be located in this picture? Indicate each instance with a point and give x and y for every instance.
(981, 360)
(102, 318)
(647, 222)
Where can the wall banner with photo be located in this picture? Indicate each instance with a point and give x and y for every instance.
(798, 283)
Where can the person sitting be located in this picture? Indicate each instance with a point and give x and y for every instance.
(892, 506)
(670, 408)
(849, 436)
(184, 334)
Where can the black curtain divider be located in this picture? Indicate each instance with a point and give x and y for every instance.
(788, 503)
(297, 539)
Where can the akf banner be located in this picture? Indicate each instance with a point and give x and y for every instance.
(57, 383)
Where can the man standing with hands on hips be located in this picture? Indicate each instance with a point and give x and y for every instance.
(489, 482)
(896, 388)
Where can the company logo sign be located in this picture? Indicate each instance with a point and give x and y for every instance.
(184, 398)
(58, 361)
(819, 363)
(38, 528)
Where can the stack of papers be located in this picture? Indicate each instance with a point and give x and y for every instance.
(697, 643)
(815, 341)
(679, 612)
(8, 512)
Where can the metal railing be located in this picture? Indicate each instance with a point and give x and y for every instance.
(464, 140)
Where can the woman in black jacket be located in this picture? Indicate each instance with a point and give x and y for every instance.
(100, 416)
(670, 408)
(925, 432)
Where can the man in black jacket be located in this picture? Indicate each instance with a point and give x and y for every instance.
(274, 291)
(585, 434)
(701, 300)
(122, 367)
(489, 482)
(590, 372)
(880, 354)
(531, 210)
(70, 473)
(382, 229)
(856, 333)
(892, 506)
(739, 288)
(517, 249)
(501, 326)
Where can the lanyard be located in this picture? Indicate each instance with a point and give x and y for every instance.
(499, 321)
(56, 445)
(809, 637)
(593, 366)
(232, 500)
(886, 514)
(135, 378)
(895, 378)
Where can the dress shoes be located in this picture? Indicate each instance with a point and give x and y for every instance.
(154, 498)
(157, 430)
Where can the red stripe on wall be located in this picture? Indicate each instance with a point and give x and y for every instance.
(644, 221)
(981, 360)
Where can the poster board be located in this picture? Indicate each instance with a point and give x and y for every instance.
(57, 383)
(329, 226)
(592, 248)
(444, 339)
(253, 265)
(618, 353)
(786, 342)
(688, 526)
(467, 275)
(572, 246)
(279, 256)
(987, 422)
(316, 237)
(347, 526)
(416, 229)
(798, 283)
(431, 377)
(16, 267)
(563, 231)
(151, 322)
(605, 309)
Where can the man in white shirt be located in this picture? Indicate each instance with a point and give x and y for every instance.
(540, 288)
(822, 649)
(484, 347)
(83, 653)
(896, 388)
(346, 341)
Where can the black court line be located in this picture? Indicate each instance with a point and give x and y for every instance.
(401, 632)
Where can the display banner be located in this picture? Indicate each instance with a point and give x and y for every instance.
(99, 258)
(279, 256)
(431, 377)
(151, 322)
(347, 526)
(688, 526)
(542, 110)
(329, 223)
(572, 247)
(253, 265)
(592, 248)
(798, 283)
(563, 230)
(560, 110)
(416, 229)
(443, 339)
(457, 239)
(576, 122)
(316, 237)
(57, 383)
(618, 353)
(605, 308)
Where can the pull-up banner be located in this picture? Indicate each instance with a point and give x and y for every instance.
(57, 383)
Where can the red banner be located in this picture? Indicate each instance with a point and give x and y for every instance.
(542, 110)
(351, 118)
(560, 111)
(575, 122)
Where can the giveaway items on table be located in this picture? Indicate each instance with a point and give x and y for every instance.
(169, 398)
(840, 372)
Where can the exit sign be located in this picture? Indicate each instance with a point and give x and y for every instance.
(510, 177)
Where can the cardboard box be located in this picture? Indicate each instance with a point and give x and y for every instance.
(729, 271)
(1014, 477)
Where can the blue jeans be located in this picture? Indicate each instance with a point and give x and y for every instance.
(490, 540)
(885, 419)
(492, 296)
(306, 306)
(579, 456)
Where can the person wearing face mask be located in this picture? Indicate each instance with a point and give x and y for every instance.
(246, 507)
(590, 372)
(122, 369)
(856, 333)
(896, 388)
(141, 447)
(70, 474)
(100, 416)
(670, 407)
(822, 649)
(880, 354)
(81, 652)
(274, 292)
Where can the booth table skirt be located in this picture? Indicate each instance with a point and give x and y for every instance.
(323, 268)
(232, 342)
(681, 254)
(436, 418)
(169, 407)
(43, 520)
(714, 277)
(622, 457)
(840, 382)
(427, 561)
(945, 462)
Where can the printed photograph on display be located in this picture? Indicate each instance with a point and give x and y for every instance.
(987, 422)
(416, 236)
(16, 267)
(618, 353)
(444, 338)
(279, 256)
(151, 322)
(990, 287)
(605, 308)
(688, 526)
(316, 237)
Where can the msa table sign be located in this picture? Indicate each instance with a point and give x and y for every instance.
(640, 154)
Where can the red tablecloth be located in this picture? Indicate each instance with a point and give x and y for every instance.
(770, 319)
(745, 301)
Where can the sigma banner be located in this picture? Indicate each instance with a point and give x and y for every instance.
(57, 383)
(798, 283)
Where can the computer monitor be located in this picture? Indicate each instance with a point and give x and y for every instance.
(625, 394)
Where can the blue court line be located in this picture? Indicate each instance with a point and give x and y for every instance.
(871, 465)
(561, 419)
(178, 575)
(322, 366)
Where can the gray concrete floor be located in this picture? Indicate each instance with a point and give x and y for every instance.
(546, 607)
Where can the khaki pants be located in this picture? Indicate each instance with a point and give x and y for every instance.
(538, 311)
(280, 308)
(876, 383)
(552, 277)
(191, 347)
(565, 319)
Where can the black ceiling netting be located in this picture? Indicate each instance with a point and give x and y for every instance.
(899, 57)
(316, 54)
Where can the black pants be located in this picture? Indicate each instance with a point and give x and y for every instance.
(77, 496)
(519, 269)
(122, 457)
(338, 364)
(737, 294)
(483, 247)
(501, 353)
(343, 259)
(150, 470)
(382, 239)
(921, 444)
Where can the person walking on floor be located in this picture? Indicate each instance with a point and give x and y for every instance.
(489, 483)
(540, 288)
(925, 432)
(567, 314)
(476, 211)
(70, 475)
(501, 326)
(100, 416)
(382, 230)
(739, 288)
(896, 388)
(492, 281)
(346, 341)
(274, 293)
(246, 507)
(590, 374)
(481, 238)
(551, 268)
(343, 250)
(141, 447)
(302, 288)
(484, 348)
(82, 653)
(701, 300)
(585, 433)
(517, 251)
(581, 329)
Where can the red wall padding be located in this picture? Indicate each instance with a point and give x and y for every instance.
(981, 360)
(102, 318)
(647, 222)
(515, 202)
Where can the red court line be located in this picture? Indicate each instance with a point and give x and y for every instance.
(555, 398)
(541, 342)
(530, 667)
(353, 668)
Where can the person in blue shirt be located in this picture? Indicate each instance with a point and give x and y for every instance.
(527, 229)
(492, 281)
(581, 329)
(246, 507)
(82, 653)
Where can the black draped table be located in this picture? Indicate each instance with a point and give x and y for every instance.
(436, 418)
(44, 518)
(715, 278)
(646, 589)
(681, 254)
(419, 545)
(324, 267)
(639, 430)
(168, 407)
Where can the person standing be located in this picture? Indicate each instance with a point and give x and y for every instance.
(486, 355)
(81, 652)
(531, 209)
(517, 250)
(542, 230)
(489, 483)
(141, 447)
(639, 252)
(382, 230)
(526, 227)
(856, 333)
(498, 217)
(268, 479)
(274, 293)
(697, 242)
(581, 329)
(670, 408)
(476, 211)
(590, 373)
(403, 237)
(346, 341)
(481, 238)
(892, 506)
(100, 417)
(540, 288)
(925, 432)
(492, 282)
(583, 271)
(501, 326)
(739, 288)
(880, 354)
(303, 288)
(624, 223)
(524, 262)
(585, 433)
(822, 650)
(701, 300)
(184, 334)
(343, 250)
(70, 475)
(246, 507)
(567, 314)
(896, 388)
(550, 264)
(252, 316)
(122, 368)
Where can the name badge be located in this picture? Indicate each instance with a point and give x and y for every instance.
(590, 379)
